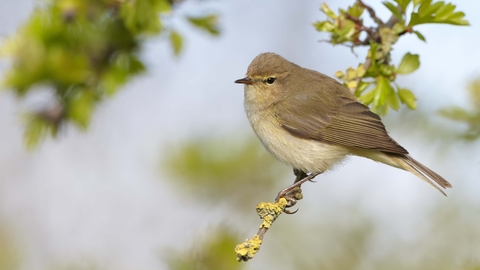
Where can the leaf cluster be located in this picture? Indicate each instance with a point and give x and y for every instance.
(374, 80)
(85, 51)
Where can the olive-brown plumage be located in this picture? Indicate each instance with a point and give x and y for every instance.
(312, 122)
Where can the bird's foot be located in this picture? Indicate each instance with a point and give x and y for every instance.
(293, 193)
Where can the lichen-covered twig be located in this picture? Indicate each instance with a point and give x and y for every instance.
(268, 212)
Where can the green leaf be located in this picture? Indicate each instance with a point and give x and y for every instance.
(392, 100)
(407, 97)
(403, 3)
(444, 12)
(438, 12)
(399, 28)
(373, 56)
(394, 10)
(427, 9)
(420, 36)
(207, 23)
(385, 96)
(367, 99)
(324, 26)
(362, 86)
(176, 41)
(409, 64)
(386, 70)
(382, 90)
(355, 10)
(325, 9)
(418, 2)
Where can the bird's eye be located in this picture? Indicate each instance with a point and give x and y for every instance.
(271, 80)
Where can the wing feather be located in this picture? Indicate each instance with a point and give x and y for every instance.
(347, 122)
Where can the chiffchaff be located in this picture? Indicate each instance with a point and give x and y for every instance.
(311, 122)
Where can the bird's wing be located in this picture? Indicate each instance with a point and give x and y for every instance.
(347, 123)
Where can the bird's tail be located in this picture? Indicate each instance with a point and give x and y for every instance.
(407, 163)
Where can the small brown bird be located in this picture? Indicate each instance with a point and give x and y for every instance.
(311, 122)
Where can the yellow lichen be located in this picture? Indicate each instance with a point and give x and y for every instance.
(246, 250)
(270, 211)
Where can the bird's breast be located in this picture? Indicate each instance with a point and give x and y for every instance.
(304, 154)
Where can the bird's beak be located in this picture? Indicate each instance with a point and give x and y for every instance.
(245, 80)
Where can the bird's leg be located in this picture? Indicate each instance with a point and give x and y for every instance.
(294, 192)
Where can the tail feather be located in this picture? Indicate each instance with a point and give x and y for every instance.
(407, 163)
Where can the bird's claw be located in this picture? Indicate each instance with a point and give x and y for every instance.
(292, 200)
(288, 212)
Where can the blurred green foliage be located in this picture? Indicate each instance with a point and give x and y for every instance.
(470, 117)
(374, 80)
(214, 251)
(10, 258)
(85, 51)
(229, 171)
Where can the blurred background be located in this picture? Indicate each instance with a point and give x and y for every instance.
(168, 173)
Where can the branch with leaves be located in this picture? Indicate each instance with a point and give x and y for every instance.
(85, 51)
(373, 81)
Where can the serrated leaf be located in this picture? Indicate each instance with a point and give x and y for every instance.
(207, 23)
(394, 10)
(407, 97)
(176, 41)
(438, 12)
(427, 9)
(409, 64)
(325, 9)
(444, 11)
(420, 36)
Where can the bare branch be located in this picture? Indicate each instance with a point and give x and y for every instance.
(372, 13)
